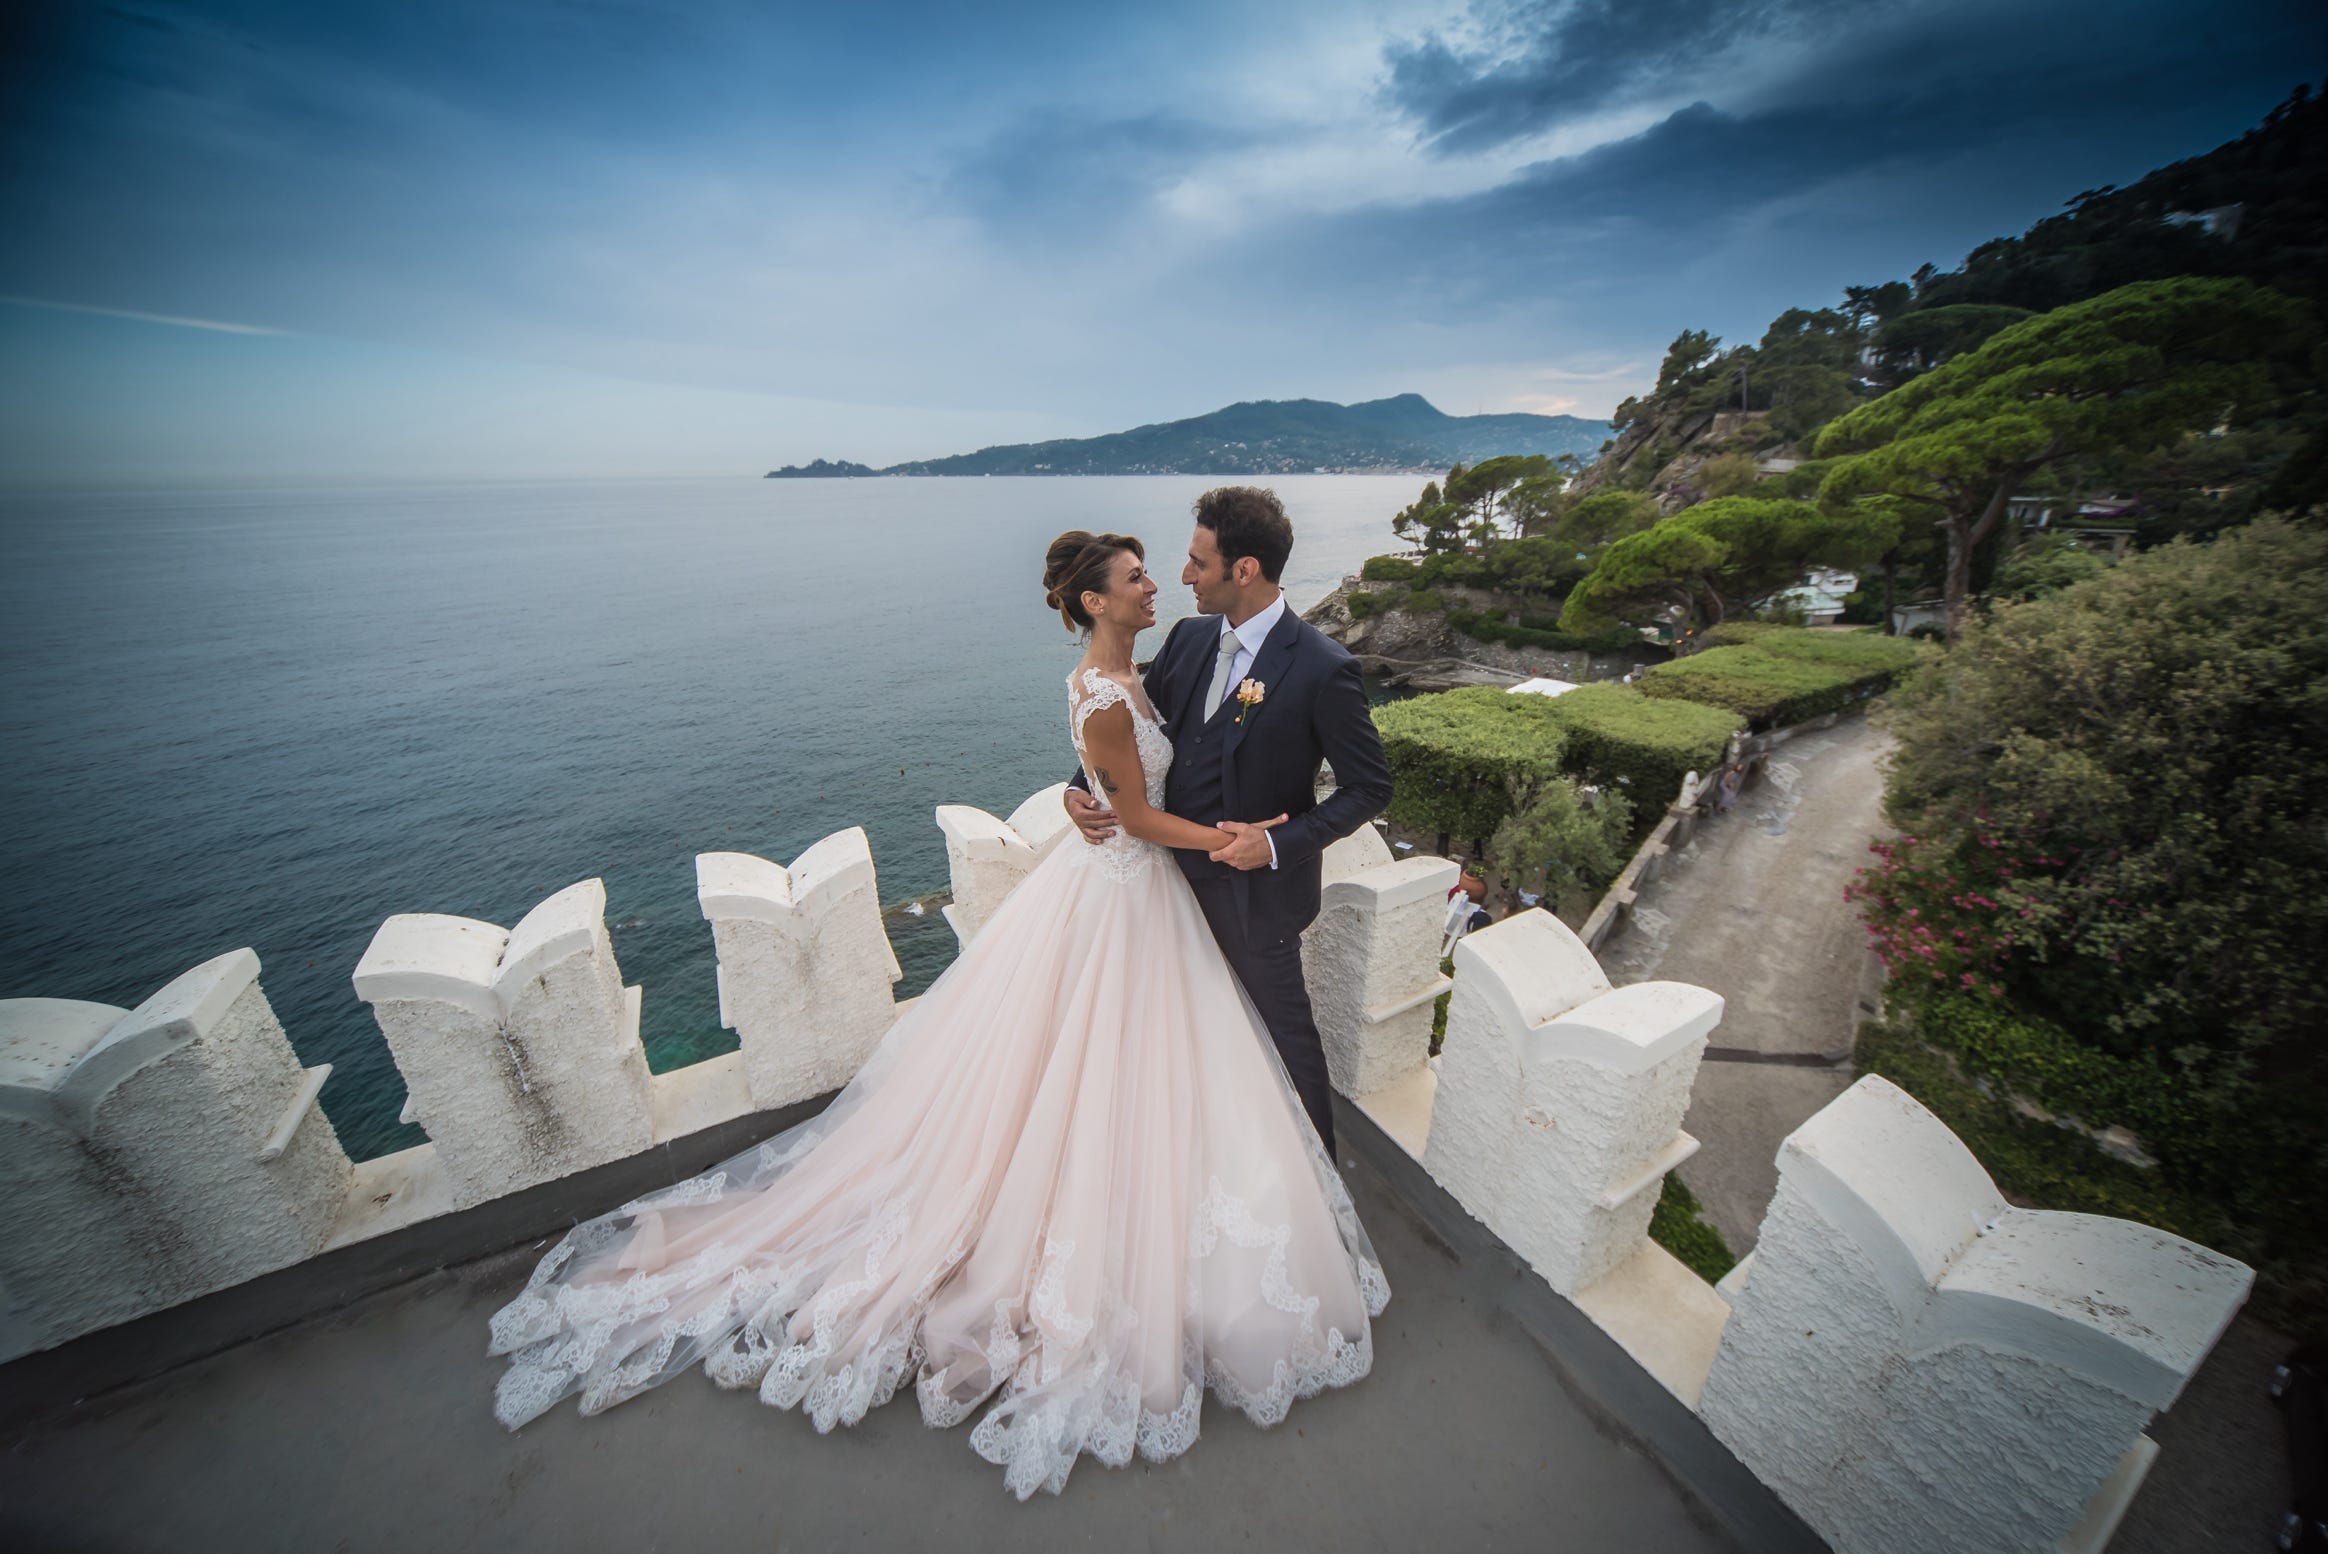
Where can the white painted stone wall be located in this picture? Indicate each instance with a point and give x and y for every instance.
(806, 972)
(152, 1155)
(520, 1047)
(1559, 1102)
(1372, 960)
(987, 858)
(1912, 1362)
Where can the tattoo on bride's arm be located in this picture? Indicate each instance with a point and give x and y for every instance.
(1105, 781)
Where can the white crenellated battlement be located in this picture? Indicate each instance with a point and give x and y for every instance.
(1900, 1327)
(805, 967)
(1560, 1099)
(519, 1047)
(1906, 1350)
(988, 857)
(153, 1153)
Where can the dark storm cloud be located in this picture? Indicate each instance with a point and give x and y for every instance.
(1539, 63)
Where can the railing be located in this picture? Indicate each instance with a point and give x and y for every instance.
(1903, 1350)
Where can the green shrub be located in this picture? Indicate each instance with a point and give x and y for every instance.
(2240, 1172)
(1387, 569)
(1843, 649)
(1489, 627)
(1564, 842)
(2035, 1161)
(1774, 677)
(1458, 757)
(1425, 601)
(1618, 737)
(1674, 1225)
(2040, 1060)
(1361, 605)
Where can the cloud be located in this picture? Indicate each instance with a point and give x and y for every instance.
(1516, 68)
(143, 318)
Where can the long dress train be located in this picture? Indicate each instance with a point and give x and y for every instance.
(1074, 1173)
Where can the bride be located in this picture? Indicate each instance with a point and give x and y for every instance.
(1073, 1178)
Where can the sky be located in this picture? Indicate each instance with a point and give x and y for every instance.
(430, 239)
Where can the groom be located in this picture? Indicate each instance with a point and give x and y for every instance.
(1254, 698)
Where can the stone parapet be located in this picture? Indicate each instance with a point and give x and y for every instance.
(806, 972)
(154, 1154)
(1559, 1101)
(519, 1048)
(1372, 960)
(1907, 1350)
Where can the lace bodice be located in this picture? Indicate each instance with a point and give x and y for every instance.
(1122, 855)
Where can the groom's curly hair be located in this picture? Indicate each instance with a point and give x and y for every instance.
(1248, 521)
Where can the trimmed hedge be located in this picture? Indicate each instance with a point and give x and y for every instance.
(1777, 675)
(1618, 736)
(1487, 626)
(1387, 569)
(1455, 756)
(1841, 649)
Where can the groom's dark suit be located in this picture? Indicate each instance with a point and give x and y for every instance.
(1223, 768)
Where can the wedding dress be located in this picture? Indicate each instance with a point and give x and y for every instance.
(1073, 1174)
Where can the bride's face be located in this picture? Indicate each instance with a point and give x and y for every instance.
(1131, 594)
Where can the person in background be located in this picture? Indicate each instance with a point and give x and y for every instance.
(1464, 911)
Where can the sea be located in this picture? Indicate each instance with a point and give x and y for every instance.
(274, 717)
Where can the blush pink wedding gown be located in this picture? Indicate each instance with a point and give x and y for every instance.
(1073, 1178)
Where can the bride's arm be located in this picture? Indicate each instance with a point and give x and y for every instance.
(1114, 758)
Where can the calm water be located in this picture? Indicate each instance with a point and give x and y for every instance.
(275, 717)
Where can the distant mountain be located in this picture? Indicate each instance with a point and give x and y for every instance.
(822, 469)
(1276, 437)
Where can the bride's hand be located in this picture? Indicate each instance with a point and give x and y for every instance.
(1248, 844)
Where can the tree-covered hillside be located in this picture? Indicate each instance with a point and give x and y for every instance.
(1285, 436)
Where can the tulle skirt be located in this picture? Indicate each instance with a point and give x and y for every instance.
(1073, 1180)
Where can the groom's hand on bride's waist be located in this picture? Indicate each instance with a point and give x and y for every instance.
(1249, 844)
(1096, 821)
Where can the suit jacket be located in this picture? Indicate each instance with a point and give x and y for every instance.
(1266, 763)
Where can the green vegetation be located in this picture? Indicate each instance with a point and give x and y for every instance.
(1675, 1225)
(1439, 1007)
(2114, 843)
(1713, 560)
(1618, 737)
(1539, 631)
(2035, 1162)
(1460, 759)
(1775, 675)
(2127, 371)
(2134, 764)
(1563, 841)
(1387, 569)
(2045, 564)
(1361, 604)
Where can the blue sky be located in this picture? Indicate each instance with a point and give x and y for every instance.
(597, 237)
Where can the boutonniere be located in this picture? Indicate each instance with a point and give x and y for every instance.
(1249, 696)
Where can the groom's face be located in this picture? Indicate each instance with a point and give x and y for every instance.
(1207, 575)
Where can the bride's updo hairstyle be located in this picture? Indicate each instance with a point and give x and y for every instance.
(1078, 562)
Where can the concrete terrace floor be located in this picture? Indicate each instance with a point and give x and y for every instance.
(1495, 1418)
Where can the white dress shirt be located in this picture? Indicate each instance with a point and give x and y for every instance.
(1250, 636)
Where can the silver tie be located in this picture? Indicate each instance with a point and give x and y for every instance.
(1220, 680)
